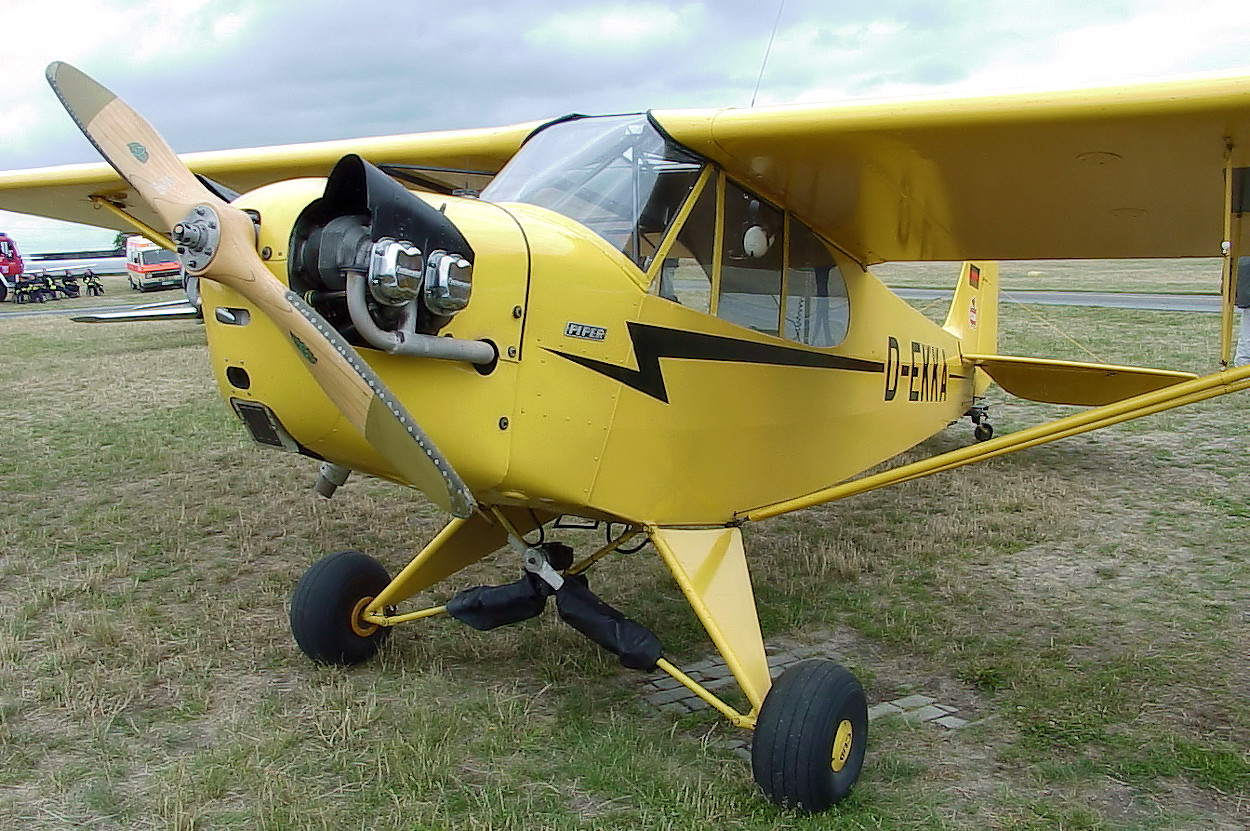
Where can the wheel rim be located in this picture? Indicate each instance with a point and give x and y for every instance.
(843, 741)
(359, 625)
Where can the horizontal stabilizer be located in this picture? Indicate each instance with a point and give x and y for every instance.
(1073, 382)
(168, 310)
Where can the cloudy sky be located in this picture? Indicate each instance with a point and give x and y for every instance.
(214, 74)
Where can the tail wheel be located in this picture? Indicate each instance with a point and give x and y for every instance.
(810, 737)
(327, 605)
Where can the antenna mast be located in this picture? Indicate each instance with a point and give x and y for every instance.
(780, 5)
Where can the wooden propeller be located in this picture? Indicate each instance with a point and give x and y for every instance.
(220, 241)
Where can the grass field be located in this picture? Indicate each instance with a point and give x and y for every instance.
(1087, 602)
(1193, 276)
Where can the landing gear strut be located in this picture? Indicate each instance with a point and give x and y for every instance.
(811, 724)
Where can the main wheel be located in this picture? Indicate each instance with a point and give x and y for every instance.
(810, 736)
(327, 604)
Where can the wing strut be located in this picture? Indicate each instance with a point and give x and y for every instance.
(142, 227)
(1176, 395)
(1235, 182)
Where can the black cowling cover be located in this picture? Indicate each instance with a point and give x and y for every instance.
(488, 607)
(636, 645)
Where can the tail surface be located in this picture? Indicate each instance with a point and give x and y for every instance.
(973, 316)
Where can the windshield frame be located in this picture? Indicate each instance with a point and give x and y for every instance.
(619, 176)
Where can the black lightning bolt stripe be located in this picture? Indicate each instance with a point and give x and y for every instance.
(651, 343)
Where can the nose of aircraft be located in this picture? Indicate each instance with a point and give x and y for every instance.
(403, 266)
(218, 242)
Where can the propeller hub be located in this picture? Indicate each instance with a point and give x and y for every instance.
(197, 236)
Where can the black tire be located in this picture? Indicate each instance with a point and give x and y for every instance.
(326, 603)
(4, 291)
(983, 431)
(810, 737)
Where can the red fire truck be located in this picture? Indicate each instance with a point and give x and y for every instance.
(10, 266)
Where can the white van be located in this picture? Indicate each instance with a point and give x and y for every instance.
(150, 267)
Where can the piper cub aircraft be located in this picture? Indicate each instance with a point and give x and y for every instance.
(663, 322)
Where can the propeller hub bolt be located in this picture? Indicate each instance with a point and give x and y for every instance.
(197, 237)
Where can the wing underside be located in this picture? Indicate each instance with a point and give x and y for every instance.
(1119, 172)
(449, 159)
(1096, 174)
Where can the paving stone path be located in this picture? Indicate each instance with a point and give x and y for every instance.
(666, 694)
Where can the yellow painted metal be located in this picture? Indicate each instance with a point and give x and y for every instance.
(359, 621)
(65, 192)
(1073, 382)
(973, 315)
(1128, 171)
(1229, 287)
(718, 242)
(1228, 276)
(394, 620)
(1178, 395)
(710, 567)
(462, 542)
(616, 542)
(142, 227)
(738, 719)
(1233, 224)
(661, 253)
(726, 420)
(468, 432)
(843, 741)
(560, 414)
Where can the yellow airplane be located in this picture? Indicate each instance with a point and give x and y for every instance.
(662, 321)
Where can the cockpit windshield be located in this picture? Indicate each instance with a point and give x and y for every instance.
(617, 175)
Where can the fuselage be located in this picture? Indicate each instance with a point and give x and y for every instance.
(649, 377)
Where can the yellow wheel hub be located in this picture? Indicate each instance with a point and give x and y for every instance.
(359, 625)
(843, 740)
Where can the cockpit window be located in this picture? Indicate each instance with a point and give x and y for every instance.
(751, 259)
(616, 175)
(770, 273)
(817, 311)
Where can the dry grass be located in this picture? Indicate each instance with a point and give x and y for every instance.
(1086, 599)
(1193, 276)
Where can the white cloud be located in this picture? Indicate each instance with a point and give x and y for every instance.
(43, 236)
(230, 73)
(614, 27)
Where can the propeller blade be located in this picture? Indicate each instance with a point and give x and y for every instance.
(222, 240)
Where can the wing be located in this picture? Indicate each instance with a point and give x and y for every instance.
(1097, 174)
(66, 192)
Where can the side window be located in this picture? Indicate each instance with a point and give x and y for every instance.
(686, 275)
(751, 258)
(817, 312)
